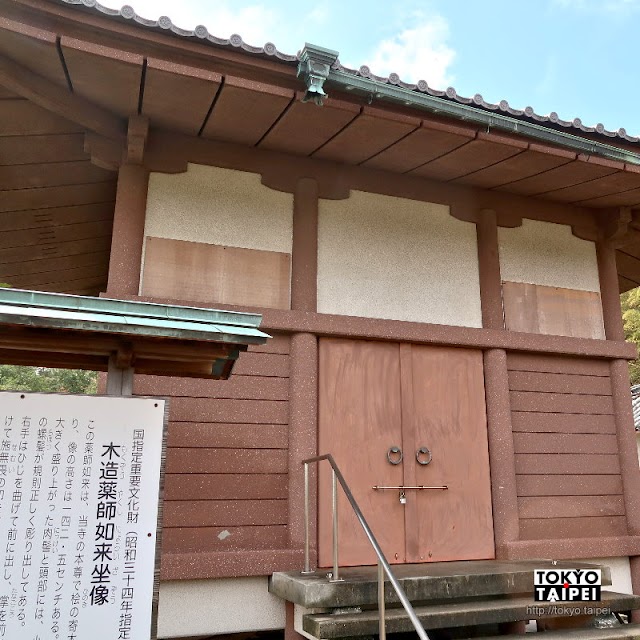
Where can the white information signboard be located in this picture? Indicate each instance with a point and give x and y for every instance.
(79, 495)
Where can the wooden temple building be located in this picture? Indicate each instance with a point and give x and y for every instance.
(440, 277)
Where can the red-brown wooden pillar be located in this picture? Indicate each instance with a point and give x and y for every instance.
(303, 380)
(128, 231)
(304, 250)
(489, 270)
(620, 388)
(501, 451)
(125, 260)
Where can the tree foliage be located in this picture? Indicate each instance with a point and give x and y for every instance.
(630, 302)
(18, 378)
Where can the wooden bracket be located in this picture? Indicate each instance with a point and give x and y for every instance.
(618, 227)
(468, 213)
(104, 152)
(124, 356)
(137, 134)
(586, 233)
(110, 154)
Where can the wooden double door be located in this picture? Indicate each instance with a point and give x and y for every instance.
(403, 415)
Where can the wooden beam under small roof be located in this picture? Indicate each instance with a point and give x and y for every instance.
(79, 332)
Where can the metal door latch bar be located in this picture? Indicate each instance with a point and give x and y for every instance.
(443, 487)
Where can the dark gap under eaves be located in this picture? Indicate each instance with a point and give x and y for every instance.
(337, 133)
(63, 62)
(377, 153)
(211, 108)
(143, 77)
(275, 122)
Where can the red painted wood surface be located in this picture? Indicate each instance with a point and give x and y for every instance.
(529, 163)
(421, 146)
(485, 150)
(226, 484)
(444, 410)
(245, 111)
(564, 434)
(558, 528)
(178, 97)
(575, 172)
(365, 136)
(319, 124)
(57, 207)
(179, 269)
(590, 485)
(532, 308)
(228, 538)
(377, 395)
(359, 420)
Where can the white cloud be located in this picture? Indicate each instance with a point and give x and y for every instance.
(615, 7)
(420, 52)
(319, 14)
(257, 23)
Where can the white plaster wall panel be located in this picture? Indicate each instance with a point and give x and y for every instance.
(398, 259)
(190, 608)
(620, 572)
(219, 206)
(548, 254)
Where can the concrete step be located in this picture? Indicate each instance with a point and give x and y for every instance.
(435, 581)
(621, 632)
(456, 614)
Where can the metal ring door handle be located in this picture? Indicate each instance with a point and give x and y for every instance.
(421, 452)
(394, 451)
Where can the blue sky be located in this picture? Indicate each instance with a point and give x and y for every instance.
(576, 57)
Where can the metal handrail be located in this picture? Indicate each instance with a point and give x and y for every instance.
(383, 564)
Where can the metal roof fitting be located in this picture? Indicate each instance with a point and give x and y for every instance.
(314, 67)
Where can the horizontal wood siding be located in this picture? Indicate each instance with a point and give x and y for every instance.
(564, 436)
(226, 481)
(207, 539)
(57, 207)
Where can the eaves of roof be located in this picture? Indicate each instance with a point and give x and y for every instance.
(131, 318)
(338, 71)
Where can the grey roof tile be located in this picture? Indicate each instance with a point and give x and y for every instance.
(164, 23)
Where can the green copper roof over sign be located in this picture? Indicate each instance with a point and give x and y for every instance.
(62, 311)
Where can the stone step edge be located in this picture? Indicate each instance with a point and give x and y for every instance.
(454, 614)
(316, 592)
(621, 632)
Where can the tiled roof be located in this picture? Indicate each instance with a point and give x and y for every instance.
(164, 23)
(553, 120)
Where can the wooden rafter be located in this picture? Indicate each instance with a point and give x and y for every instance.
(59, 100)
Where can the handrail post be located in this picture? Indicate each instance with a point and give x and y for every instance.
(307, 560)
(334, 501)
(382, 561)
(382, 628)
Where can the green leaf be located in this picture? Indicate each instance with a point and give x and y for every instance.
(19, 378)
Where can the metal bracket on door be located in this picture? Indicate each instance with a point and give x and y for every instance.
(421, 487)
